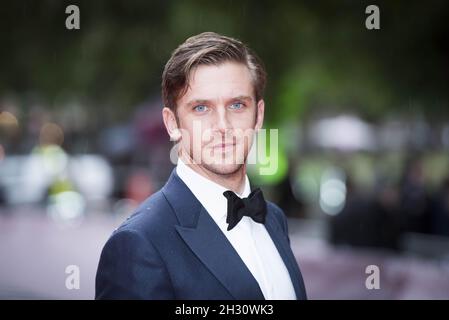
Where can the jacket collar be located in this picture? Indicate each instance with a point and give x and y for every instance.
(210, 245)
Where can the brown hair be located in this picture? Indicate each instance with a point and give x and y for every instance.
(208, 48)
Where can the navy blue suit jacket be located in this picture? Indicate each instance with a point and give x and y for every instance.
(171, 248)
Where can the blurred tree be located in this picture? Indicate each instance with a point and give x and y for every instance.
(318, 54)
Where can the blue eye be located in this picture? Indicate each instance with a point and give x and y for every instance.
(200, 108)
(237, 106)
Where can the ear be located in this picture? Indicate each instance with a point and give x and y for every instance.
(260, 114)
(170, 124)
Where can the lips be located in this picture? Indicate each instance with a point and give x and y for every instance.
(223, 145)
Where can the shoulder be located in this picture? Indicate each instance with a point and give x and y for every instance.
(150, 220)
(276, 210)
(143, 227)
(132, 264)
(278, 214)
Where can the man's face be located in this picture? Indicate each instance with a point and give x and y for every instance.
(217, 117)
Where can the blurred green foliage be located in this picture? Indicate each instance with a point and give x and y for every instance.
(318, 54)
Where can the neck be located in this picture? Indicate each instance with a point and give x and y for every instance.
(234, 181)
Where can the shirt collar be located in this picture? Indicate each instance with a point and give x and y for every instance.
(208, 193)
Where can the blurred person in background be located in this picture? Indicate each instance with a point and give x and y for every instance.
(414, 200)
(440, 212)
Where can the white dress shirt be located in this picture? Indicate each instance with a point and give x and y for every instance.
(249, 238)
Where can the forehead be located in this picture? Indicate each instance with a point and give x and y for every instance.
(215, 82)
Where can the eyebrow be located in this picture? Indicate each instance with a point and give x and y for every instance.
(205, 101)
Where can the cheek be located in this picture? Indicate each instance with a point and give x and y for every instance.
(186, 128)
(247, 140)
(196, 133)
(244, 120)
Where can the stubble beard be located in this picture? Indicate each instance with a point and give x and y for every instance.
(224, 169)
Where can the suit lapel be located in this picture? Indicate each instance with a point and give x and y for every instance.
(200, 232)
(212, 247)
(287, 256)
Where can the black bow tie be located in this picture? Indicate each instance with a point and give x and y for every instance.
(254, 206)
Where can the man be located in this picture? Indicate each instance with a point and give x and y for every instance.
(205, 235)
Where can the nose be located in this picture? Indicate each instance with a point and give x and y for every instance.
(222, 123)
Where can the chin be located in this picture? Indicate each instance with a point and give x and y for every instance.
(223, 169)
